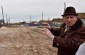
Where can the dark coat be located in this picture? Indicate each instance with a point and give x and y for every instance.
(68, 42)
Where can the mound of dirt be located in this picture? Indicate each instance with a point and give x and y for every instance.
(25, 41)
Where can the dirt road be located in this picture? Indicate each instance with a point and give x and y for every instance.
(25, 41)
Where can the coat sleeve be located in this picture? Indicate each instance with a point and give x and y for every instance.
(69, 44)
(55, 31)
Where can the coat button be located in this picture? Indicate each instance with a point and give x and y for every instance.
(66, 36)
(57, 44)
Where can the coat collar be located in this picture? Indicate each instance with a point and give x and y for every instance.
(76, 26)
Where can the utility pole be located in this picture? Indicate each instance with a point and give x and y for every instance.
(64, 6)
(6, 19)
(9, 21)
(42, 16)
(2, 15)
(30, 19)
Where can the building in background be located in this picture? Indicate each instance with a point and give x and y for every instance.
(82, 17)
(57, 22)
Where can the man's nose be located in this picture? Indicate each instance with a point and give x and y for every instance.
(69, 19)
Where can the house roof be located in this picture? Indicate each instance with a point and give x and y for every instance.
(57, 20)
(81, 15)
(46, 21)
(34, 22)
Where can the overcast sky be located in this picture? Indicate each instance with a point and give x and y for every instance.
(19, 10)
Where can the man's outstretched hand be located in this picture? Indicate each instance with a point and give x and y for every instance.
(48, 33)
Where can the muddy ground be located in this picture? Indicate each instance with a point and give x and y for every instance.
(25, 41)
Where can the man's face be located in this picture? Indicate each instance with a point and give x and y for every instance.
(70, 20)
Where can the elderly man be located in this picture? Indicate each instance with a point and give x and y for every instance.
(70, 35)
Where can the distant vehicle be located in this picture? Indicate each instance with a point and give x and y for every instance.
(44, 25)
